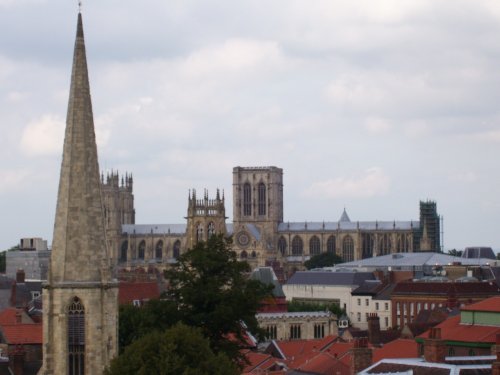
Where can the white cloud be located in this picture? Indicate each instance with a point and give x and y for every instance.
(12, 180)
(372, 183)
(43, 136)
(377, 125)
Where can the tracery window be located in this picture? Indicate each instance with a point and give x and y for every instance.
(385, 244)
(314, 246)
(367, 245)
(348, 249)
(247, 199)
(331, 245)
(243, 255)
(211, 229)
(199, 233)
(262, 199)
(159, 250)
(123, 251)
(177, 249)
(142, 249)
(76, 338)
(297, 246)
(282, 245)
(295, 331)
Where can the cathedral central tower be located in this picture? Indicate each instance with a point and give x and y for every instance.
(80, 298)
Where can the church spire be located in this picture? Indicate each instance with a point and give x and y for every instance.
(79, 250)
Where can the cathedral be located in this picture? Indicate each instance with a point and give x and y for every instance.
(260, 234)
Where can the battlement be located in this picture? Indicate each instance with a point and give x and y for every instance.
(206, 206)
(113, 180)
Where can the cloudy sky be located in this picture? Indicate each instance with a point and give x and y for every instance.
(368, 105)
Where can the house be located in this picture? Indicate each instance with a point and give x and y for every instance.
(137, 293)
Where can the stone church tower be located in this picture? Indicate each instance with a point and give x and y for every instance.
(80, 298)
(205, 217)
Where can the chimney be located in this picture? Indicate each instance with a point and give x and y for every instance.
(20, 276)
(361, 355)
(495, 366)
(374, 329)
(434, 347)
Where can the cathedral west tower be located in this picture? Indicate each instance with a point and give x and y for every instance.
(80, 298)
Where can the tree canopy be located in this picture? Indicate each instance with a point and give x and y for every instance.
(178, 350)
(323, 260)
(213, 292)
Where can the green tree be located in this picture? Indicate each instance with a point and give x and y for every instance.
(334, 308)
(323, 260)
(455, 252)
(178, 350)
(213, 292)
(136, 322)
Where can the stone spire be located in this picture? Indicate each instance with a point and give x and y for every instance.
(79, 249)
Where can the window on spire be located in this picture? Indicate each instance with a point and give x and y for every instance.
(199, 233)
(262, 198)
(76, 338)
(247, 199)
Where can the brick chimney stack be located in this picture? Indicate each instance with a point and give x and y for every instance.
(434, 347)
(374, 329)
(361, 355)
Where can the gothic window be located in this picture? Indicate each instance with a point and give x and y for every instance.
(367, 245)
(297, 246)
(272, 332)
(385, 244)
(159, 250)
(262, 199)
(199, 233)
(177, 249)
(247, 199)
(244, 255)
(254, 254)
(76, 338)
(314, 246)
(142, 249)
(348, 249)
(282, 245)
(211, 229)
(319, 331)
(331, 245)
(123, 251)
(295, 331)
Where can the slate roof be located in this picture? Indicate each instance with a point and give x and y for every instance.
(330, 278)
(446, 288)
(333, 226)
(368, 288)
(143, 229)
(266, 275)
(414, 260)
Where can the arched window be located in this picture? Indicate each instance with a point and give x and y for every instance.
(367, 245)
(254, 254)
(331, 245)
(159, 250)
(76, 337)
(142, 249)
(211, 229)
(247, 199)
(262, 198)
(314, 246)
(385, 244)
(177, 249)
(199, 233)
(282, 245)
(348, 249)
(123, 251)
(297, 246)
(243, 255)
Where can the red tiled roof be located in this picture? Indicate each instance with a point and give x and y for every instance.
(23, 334)
(325, 363)
(445, 288)
(400, 348)
(452, 330)
(490, 304)
(9, 316)
(295, 348)
(141, 291)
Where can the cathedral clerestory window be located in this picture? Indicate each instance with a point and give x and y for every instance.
(142, 249)
(159, 250)
(76, 338)
(282, 245)
(314, 246)
(177, 249)
(348, 249)
(297, 246)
